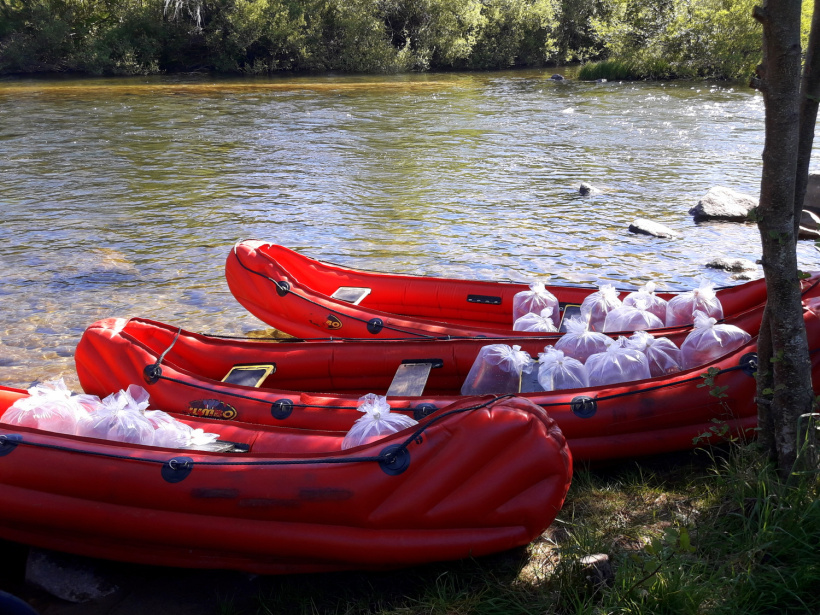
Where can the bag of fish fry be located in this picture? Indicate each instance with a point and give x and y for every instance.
(50, 406)
(680, 310)
(709, 341)
(618, 364)
(558, 372)
(497, 369)
(535, 300)
(652, 302)
(377, 423)
(121, 417)
(631, 318)
(596, 306)
(663, 356)
(543, 322)
(579, 342)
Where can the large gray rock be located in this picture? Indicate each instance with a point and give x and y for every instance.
(642, 226)
(809, 220)
(722, 203)
(732, 264)
(69, 577)
(809, 225)
(812, 199)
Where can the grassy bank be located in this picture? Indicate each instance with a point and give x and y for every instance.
(707, 532)
(712, 532)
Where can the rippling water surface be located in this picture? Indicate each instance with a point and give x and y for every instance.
(124, 197)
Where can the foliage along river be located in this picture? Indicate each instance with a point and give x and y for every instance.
(123, 197)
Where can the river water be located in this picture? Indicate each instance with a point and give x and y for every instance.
(123, 197)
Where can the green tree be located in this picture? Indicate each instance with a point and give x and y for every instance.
(791, 89)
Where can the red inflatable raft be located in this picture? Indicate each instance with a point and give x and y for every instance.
(481, 476)
(317, 384)
(309, 298)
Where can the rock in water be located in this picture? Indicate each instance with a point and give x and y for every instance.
(642, 226)
(722, 203)
(732, 264)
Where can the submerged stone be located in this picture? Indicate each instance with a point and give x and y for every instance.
(642, 226)
(721, 203)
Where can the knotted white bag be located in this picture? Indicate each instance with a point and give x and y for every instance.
(376, 423)
(617, 364)
(121, 417)
(663, 356)
(557, 372)
(542, 322)
(631, 318)
(681, 309)
(579, 342)
(709, 341)
(50, 406)
(653, 303)
(596, 306)
(171, 433)
(497, 369)
(535, 300)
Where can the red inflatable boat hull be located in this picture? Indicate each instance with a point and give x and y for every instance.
(316, 385)
(293, 293)
(486, 476)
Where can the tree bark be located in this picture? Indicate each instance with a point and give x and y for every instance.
(790, 392)
(809, 99)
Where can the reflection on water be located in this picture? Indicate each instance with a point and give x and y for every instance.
(123, 197)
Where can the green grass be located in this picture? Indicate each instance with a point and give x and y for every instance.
(697, 533)
(630, 70)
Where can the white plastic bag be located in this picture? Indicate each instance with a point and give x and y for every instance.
(653, 303)
(579, 342)
(557, 372)
(663, 356)
(121, 417)
(542, 322)
(51, 407)
(617, 364)
(631, 318)
(535, 300)
(496, 369)
(171, 433)
(709, 341)
(596, 306)
(376, 423)
(681, 309)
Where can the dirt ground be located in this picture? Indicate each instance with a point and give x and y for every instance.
(140, 590)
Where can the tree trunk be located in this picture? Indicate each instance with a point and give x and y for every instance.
(787, 393)
(809, 98)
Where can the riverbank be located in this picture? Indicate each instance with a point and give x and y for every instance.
(696, 38)
(711, 531)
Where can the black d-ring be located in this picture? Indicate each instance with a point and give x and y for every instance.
(423, 410)
(396, 459)
(9, 442)
(583, 406)
(375, 325)
(177, 469)
(281, 409)
(749, 363)
(282, 288)
(151, 373)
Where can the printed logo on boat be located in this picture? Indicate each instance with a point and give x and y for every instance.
(332, 322)
(212, 409)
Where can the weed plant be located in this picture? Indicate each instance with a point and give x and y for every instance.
(709, 532)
